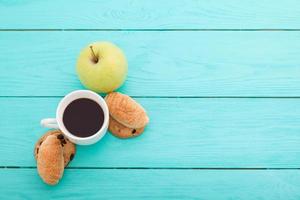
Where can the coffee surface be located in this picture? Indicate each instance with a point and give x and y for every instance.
(83, 117)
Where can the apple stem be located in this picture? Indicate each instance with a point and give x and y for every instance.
(95, 58)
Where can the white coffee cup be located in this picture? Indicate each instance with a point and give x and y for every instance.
(57, 122)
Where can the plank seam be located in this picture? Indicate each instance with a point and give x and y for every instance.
(141, 30)
(162, 168)
(178, 97)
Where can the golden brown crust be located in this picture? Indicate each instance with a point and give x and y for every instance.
(126, 110)
(121, 131)
(69, 149)
(50, 161)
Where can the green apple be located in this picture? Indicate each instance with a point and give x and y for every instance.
(102, 67)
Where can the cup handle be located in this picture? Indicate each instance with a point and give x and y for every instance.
(49, 123)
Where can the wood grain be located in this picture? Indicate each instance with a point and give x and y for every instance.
(185, 133)
(194, 148)
(129, 14)
(160, 63)
(154, 184)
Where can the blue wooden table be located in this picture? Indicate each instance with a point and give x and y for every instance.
(219, 79)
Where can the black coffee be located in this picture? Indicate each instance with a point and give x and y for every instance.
(83, 117)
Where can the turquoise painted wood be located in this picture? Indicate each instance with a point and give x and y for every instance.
(193, 133)
(160, 63)
(154, 184)
(220, 80)
(129, 14)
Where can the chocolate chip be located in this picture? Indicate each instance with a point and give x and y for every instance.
(41, 142)
(64, 141)
(133, 131)
(37, 150)
(71, 156)
(60, 136)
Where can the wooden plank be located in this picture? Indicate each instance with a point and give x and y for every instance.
(154, 184)
(128, 14)
(201, 133)
(160, 63)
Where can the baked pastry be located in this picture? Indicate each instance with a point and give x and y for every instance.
(69, 149)
(122, 131)
(127, 117)
(126, 110)
(50, 160)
